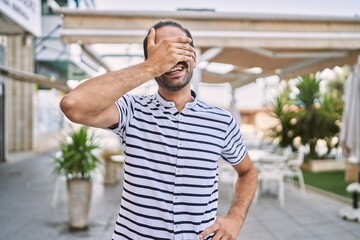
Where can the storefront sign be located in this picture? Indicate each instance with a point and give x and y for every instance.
(26, 13)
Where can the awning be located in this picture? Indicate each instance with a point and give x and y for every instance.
(283, 45)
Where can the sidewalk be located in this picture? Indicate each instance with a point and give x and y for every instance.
(27, 186)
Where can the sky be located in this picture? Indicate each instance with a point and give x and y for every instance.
(298, 7)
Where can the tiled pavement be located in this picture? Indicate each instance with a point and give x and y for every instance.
(27, 186)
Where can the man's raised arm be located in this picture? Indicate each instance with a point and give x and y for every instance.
(92, 102)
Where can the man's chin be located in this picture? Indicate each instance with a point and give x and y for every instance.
(171, 87)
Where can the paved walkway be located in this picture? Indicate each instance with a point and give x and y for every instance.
(27, 186)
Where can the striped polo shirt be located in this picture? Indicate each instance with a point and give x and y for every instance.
(170, 186)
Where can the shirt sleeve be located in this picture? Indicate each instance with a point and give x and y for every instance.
(125, 106)
(234, 149)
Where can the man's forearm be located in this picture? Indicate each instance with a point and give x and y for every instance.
(97, 94)
(244, 192)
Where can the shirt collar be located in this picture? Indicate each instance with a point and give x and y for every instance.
(171, 104)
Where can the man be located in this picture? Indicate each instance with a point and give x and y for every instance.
(172, 144)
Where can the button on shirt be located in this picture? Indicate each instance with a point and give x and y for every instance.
(171, 176)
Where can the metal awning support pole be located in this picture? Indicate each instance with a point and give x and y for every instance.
(358, 113)
(234, 110)
(33, 78)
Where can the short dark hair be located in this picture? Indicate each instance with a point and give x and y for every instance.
(163, 23)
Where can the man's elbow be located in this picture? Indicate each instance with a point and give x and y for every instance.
(68, 106)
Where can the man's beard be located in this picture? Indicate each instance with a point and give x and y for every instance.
(168, 84)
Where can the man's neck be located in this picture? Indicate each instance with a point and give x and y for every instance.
(180, 98)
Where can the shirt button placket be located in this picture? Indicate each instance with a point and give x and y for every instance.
(178, 183)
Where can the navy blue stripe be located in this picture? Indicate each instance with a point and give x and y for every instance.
(136, 232)
(186, 232)
(235, 145)
(145, 226)
(153, 109)
(141, 104)
(231, 131)
(147, 187)
(199, 168)
(238, 157)
(215, 110)
(153, 132)
(200, 150)
(237, 138)
(197, 159)
(148, 140)
(236, 150)
(150, 150)
(147, 216)
(125, 101)
(150, 169)
(168, 173)
(147, 206)
(195, 204)
(195, 185)
(204, 118)
(148, 197)
(201, 133)
(150, 159)
(196, 195)
(170, 164)
(171, 155)
(121, 234)
(148, 178)
(189, 232)
(155, 124)
(196, 213)
(198, 177)
(204, 126)
(150, 103)
(202, 142)
(195, 223)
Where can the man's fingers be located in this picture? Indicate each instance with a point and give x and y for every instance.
(151, 37)
(179, 40)
(184, 53)
(209, 230)
(185, 50)
(186, 46)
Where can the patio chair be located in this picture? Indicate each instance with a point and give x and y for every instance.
(269, 173)
(293, 171)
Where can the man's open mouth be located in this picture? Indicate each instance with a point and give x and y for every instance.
(177, 68)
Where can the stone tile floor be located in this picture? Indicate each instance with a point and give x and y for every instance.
(27, 186)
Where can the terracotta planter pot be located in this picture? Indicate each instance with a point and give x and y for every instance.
(110, 172)
(351, 172)
(79, 198)
(323, 165)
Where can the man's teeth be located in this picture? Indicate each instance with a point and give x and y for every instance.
(175, 69)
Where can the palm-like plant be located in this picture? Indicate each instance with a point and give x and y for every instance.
(284, 130)
(310, 116)
(76, 160)
(317, 116)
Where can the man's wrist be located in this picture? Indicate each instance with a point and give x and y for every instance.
(237, 214)
(149, 68)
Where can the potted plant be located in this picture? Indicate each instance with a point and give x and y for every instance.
(308, 116)
(76, 163)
